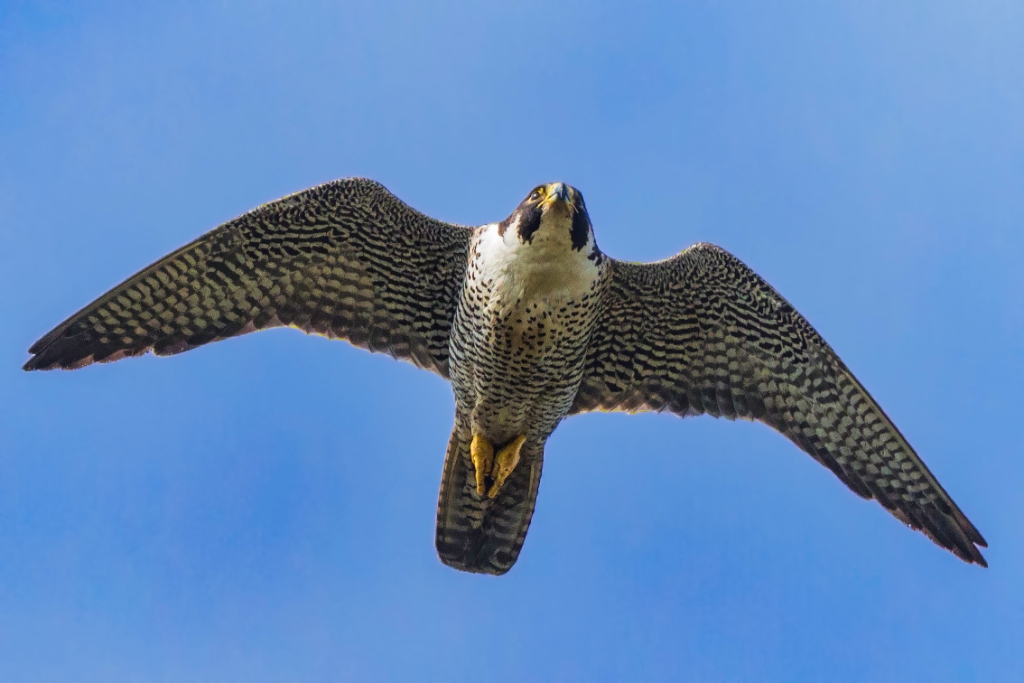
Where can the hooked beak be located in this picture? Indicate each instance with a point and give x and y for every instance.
(559, 192)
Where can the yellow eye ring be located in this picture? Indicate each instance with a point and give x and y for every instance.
(537, 193)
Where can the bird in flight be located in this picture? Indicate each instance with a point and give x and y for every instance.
(532, 323)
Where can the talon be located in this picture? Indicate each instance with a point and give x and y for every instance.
(482, 453)
(504, 463)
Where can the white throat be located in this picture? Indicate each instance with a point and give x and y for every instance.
(545, 270)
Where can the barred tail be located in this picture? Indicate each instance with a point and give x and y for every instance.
(476, 533)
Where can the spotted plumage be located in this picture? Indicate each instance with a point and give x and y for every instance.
(532, 323)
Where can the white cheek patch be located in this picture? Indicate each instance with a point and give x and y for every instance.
(495, 249)
(511, 236)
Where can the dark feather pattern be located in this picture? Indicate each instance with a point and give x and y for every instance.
(346, 259)
(478, 534)
(702, 333)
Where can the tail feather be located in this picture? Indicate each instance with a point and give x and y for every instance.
(476, 533)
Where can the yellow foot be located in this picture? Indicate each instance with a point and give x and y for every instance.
(482, 453)
(504, 463)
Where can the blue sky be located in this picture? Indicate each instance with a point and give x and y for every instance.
(263, 508)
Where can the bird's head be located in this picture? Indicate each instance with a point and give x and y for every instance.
(553, 214)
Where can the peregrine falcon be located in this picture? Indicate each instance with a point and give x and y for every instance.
(532, 323)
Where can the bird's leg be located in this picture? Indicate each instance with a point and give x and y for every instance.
(504, 463)
(482, 453)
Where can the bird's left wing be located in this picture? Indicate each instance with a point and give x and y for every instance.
(702, 333)
(345, 259)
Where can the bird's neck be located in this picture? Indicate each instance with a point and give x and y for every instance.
(545, 269)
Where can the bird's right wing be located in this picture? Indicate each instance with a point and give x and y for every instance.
(345, 259)
(702, 333)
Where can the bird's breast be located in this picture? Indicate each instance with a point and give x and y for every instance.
(520, 335)
(527, 305)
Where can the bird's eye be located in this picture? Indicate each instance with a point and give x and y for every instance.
(537, 194)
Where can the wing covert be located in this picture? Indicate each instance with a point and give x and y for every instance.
(346, 259)
(702, 333)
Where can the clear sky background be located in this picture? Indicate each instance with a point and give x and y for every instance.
(262, 509)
